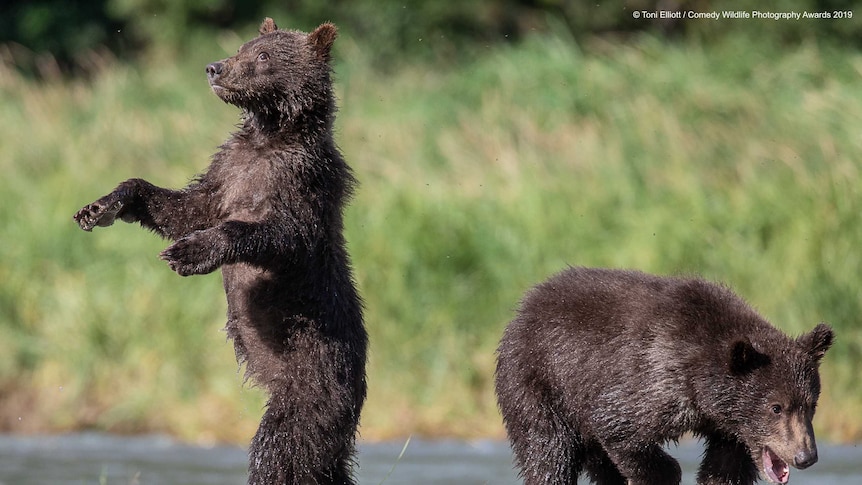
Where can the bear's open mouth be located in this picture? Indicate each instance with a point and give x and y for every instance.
(775, 468)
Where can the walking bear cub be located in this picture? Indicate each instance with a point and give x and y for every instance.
(268, 212)
(600, 368)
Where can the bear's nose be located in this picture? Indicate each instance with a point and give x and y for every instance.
(805, 459)
(214, 69)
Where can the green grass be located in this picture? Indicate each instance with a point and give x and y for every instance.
(479, 180)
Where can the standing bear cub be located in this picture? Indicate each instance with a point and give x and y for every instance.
(268, 212)
(600, 368)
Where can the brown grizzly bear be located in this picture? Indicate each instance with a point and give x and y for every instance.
(268, 212)
(600, 368)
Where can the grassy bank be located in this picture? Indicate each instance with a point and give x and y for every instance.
(739, 163)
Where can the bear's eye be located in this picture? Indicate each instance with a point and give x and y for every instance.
(263, 56)
(776, 409)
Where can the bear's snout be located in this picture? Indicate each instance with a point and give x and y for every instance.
(214, 70)
(805, 458)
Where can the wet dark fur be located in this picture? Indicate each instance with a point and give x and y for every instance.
(268, 212)
(601, 367)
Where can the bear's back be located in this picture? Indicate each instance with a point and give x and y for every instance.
(600, 326)
(610, 303)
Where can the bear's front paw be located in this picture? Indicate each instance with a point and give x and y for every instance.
(102, 213)
(194, 254)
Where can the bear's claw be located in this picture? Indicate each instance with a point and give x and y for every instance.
(97, 214)
(191, 255)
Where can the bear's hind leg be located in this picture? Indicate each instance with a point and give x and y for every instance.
(545, 448)
(340, 471)
(601, 469)
(726, 461)
(290, 451)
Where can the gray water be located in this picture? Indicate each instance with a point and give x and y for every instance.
(106, 459)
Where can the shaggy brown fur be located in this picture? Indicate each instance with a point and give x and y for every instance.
(268, 212)
(601, 367)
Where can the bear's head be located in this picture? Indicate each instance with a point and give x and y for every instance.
(278, 76)
(780, 383)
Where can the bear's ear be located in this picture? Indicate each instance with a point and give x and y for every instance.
(267, 26)
(816, 342)
(322, 38)
(744, 358)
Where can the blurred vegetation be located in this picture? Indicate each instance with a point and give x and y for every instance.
(477, 183)
(44, 36)
(737, 157)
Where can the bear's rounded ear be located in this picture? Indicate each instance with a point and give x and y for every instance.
(744, 358)
(267, 26)
(816, 342)
(322, 38)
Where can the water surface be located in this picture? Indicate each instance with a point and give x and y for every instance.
(98, 459)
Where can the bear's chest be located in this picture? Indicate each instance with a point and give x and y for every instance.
(247, 184)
